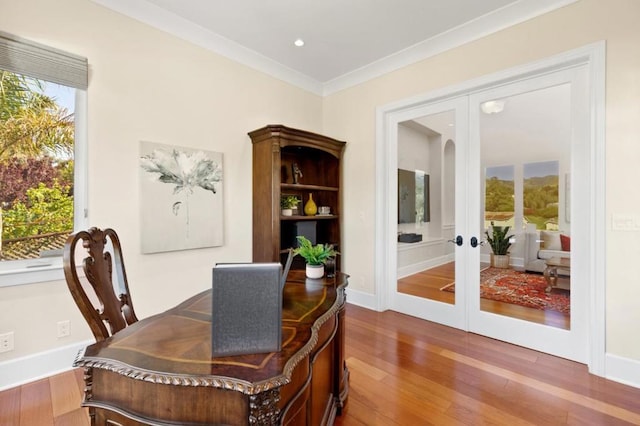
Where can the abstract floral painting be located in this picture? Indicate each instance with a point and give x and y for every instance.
(181, 198)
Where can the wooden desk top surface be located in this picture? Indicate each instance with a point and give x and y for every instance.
(174, 347)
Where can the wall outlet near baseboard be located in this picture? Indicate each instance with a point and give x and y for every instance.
(6, 342)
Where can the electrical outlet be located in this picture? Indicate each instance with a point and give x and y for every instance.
(63, 328)
(6, 342)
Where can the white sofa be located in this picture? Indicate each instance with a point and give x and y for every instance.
(542, 245)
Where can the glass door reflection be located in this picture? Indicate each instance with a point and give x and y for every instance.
(426, 207)
(525, 150)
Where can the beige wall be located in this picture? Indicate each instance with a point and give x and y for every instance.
(350, 115)
(147, 85)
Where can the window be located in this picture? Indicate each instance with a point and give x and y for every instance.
(499, 196)
(540, 194)
(42, 157)
(537, 195)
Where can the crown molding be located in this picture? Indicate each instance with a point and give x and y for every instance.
(168, 22)
(500, 19)
(505, 17)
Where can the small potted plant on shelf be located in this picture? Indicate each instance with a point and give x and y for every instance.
(500, 243)
(315, 256)
(287, 203)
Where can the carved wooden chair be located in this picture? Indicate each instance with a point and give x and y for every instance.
(104, 302)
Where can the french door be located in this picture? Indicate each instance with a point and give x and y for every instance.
(540, 142)
(465, 145)
(433, 139)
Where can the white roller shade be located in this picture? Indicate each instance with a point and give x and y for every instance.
(42, 62)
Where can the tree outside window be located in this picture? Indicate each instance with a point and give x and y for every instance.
(540, 194)
(36, 166)
(499, 196)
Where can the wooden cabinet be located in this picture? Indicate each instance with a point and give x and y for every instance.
(277, 152)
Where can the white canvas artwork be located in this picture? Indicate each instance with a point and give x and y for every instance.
(181, 197)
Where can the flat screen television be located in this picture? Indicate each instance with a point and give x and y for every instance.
(413, 196)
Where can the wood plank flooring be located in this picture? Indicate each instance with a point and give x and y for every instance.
(406, 371)
(427, 284)
(54, 401)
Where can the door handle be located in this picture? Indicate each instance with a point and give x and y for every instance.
(457, 241)
(475, 243)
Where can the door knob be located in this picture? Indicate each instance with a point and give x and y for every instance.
(457, 241)
(475, 243)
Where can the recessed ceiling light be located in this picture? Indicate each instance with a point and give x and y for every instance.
(299, 42)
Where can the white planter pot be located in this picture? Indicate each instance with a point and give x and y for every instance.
(286, 212)
(315, 271)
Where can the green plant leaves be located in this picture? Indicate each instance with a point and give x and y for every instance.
(314, 255)
(499, 240)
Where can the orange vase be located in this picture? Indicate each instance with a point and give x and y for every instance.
(310, 209)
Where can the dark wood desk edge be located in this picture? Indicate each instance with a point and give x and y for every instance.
(220, 382)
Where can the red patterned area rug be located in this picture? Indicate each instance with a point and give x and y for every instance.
(519, 288)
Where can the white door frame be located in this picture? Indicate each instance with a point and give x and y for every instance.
(593, 57)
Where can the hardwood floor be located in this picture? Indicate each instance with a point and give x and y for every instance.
(51, 401)
(427, 284)
(406, 371)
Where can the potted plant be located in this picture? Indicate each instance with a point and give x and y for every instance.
(500, 243)
(315, 256)
(287, 203)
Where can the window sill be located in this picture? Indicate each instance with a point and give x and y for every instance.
(31, 272)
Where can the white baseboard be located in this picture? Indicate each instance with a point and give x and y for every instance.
(362, 299)
(414, 268)
(622, 370)
(19, 371)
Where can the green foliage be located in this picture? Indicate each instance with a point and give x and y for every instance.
(46, 210)
(539, 221)
(499, 240)
(499, 195)
(288, 201)
(36, 170)
(31, 124)
(18, 175)
(540, 199)
(314, 255)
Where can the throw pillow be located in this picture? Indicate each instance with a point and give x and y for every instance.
(550, 240)
(565, 242)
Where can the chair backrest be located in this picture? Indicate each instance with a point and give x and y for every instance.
(287, 266)
(105, 304)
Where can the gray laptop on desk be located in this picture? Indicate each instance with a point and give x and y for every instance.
(246, 316)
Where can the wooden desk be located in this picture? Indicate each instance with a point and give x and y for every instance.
(160, 371)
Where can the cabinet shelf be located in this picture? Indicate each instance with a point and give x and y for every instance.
(316, 217)
(303, 187)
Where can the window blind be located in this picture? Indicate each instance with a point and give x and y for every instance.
(42, 62)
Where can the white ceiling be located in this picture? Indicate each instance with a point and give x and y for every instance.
(534, 125)
(346, 41)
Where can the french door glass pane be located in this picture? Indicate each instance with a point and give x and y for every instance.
(525, 154)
